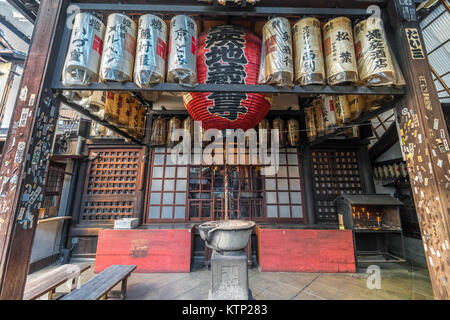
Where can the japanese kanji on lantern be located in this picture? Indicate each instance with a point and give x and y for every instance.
(375, 66)
(85, 50)
(342, 110)
(329, 115)
(112, 107)
(174, 124)
(308, 52)
(182, 66)
(159, 132)
(264, 136)
(293, 132)
(278, 124)
(150, 63)
(339, 50)
(357, 105)
(95, 104)
(277, 56)
(136, 124)
(119, 49)
(227, 54)
(319, 119)
(310, 123)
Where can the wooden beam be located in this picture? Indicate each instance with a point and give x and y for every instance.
(387, 140)
(20, 6)
(439, 79)
(425, 142)
(25, 160)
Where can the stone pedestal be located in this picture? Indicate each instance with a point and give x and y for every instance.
(229, 276)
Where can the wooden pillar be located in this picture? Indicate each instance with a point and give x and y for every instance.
(365, 169)
(308, 179)
(425, 141)
(26, 154)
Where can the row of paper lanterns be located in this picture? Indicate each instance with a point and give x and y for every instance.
(307, 53)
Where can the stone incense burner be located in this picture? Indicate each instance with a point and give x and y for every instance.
(229, 268)
(226, 235)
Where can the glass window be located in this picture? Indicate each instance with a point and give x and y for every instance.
(283, 184)
(297, 211)
(271, 197)
(155, 198)
(158, 160)
(283, 197)
(271, 184)
(182, 172)
(181, 185)
(170, 172)
(296, 197)
(180, 198)
(154, 212)
(284, 189)
(284, 212)
(156, 185)
(272, 212)
(180, 212)
(169, 185)
(158, 172)
(166, 212)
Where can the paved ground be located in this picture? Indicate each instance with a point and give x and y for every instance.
(398, 281)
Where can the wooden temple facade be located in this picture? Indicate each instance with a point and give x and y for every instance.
(294, 210)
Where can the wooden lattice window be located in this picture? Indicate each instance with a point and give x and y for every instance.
(113, 180)
(335, 172)
(53, 189)
(283, 191)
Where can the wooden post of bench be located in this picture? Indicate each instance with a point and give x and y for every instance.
(123, 291)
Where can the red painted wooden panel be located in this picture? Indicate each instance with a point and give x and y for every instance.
(150, 250)
(294, 250)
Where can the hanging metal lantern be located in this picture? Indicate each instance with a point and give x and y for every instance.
(119, 50)
(227, 54)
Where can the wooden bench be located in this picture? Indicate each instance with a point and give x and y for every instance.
(99, 286)
(49, 281)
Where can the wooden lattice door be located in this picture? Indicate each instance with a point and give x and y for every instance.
(113, 184)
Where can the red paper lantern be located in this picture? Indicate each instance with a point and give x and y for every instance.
(227, 54)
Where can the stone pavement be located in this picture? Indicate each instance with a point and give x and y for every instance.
(398, 281)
